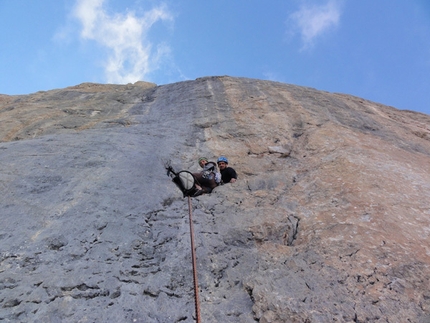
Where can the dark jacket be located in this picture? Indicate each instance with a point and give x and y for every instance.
(227, 174)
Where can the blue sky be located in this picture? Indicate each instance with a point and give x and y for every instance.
(375, 49)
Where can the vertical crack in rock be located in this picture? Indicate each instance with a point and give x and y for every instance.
(291, 234)
(249, 290)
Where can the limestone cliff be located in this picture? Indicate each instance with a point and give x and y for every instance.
(329, 221)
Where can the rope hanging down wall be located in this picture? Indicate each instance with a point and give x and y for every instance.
(193, 255)
(186, 183)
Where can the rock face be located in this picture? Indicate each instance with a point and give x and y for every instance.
(328, 222)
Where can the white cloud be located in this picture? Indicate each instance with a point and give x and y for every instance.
(131, 56)
(313, 20)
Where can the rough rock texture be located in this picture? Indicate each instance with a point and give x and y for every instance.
(329, 221)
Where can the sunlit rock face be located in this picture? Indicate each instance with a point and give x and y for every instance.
(328, 222)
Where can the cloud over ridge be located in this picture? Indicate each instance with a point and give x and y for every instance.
(131, 55)
(313, 20)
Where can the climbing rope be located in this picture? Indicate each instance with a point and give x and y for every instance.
(186, 183)
(193, 255)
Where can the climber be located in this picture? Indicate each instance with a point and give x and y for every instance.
(203, 161)
(228, 174)
(208, 178)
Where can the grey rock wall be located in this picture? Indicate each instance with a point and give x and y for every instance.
(329, 221)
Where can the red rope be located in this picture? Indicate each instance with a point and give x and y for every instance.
(193, 254)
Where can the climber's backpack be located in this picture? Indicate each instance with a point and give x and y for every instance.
(184, 180)
(209, 171)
